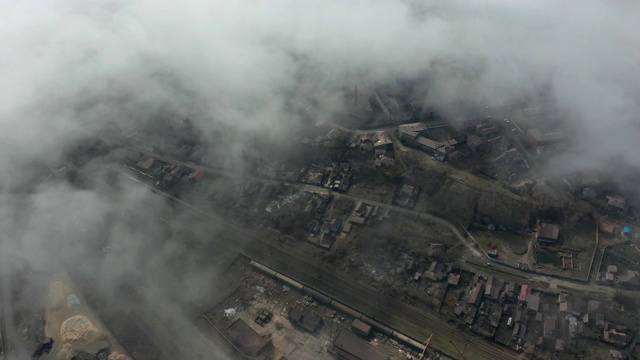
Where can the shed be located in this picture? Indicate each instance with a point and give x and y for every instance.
(533, 302)
(476, 294)
(548, 233)
(524, 290)
(349, 346)
(453, 279)
(305, 318)
(360, 328)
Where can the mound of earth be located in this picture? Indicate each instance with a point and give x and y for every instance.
(518, 246)
(78, 330)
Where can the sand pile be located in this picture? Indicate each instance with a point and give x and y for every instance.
(78, 330)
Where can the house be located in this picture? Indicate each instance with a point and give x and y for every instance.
(563, 303)
(453, 279)
(533, 302)
(614, 334)
(519, 331)
(428, 145)
(305, 318)
(145, 164)
(471, 316)
(382, 140)
(409, 132)
(382, 143)
(537, 138)
(435, 271)
(495, 317)
(475, 296)
(609, 278)
(414, 135)
(484, 130)
(408, 190)
(511, 290)
(548, 233)
(518, 317)
(616, 205)
(476, 144)
(406, 195)
(331, 228)
(493, 288)
(524, 291)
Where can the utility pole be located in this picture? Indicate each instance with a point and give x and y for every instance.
(426, 345)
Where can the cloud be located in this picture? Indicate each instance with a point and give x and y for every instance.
(256, 66)
(72, 70)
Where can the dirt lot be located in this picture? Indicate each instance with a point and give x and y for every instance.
(374, 186)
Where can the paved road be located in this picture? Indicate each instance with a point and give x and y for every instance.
(393, 312)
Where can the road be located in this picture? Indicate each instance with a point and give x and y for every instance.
(393, 312)
(458, 230)
(554, 283)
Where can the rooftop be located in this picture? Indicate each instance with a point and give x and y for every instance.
(245, 338)
(412, 129)
(453, 279)
(431, 144)
(305, 318)
(361, 327)
(382, 139)
(524, 290)
(349, 346)
(476, 294)
(548, 231)
(616, 202)
(533, 302)
(539, 136)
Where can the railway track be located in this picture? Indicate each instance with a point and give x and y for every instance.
(411, 321)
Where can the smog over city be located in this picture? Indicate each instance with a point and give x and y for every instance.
(320, 179)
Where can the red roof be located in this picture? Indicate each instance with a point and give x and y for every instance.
(524, 290)
(197, 174)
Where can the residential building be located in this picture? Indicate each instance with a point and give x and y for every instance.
(537, 138)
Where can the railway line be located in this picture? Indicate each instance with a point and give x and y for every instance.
(389, 311)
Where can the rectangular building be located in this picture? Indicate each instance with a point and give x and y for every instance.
(548, 233)
(360, 328)
(349, 346)
(536, 138)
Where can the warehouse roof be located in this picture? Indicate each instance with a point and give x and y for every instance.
(349, 346)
